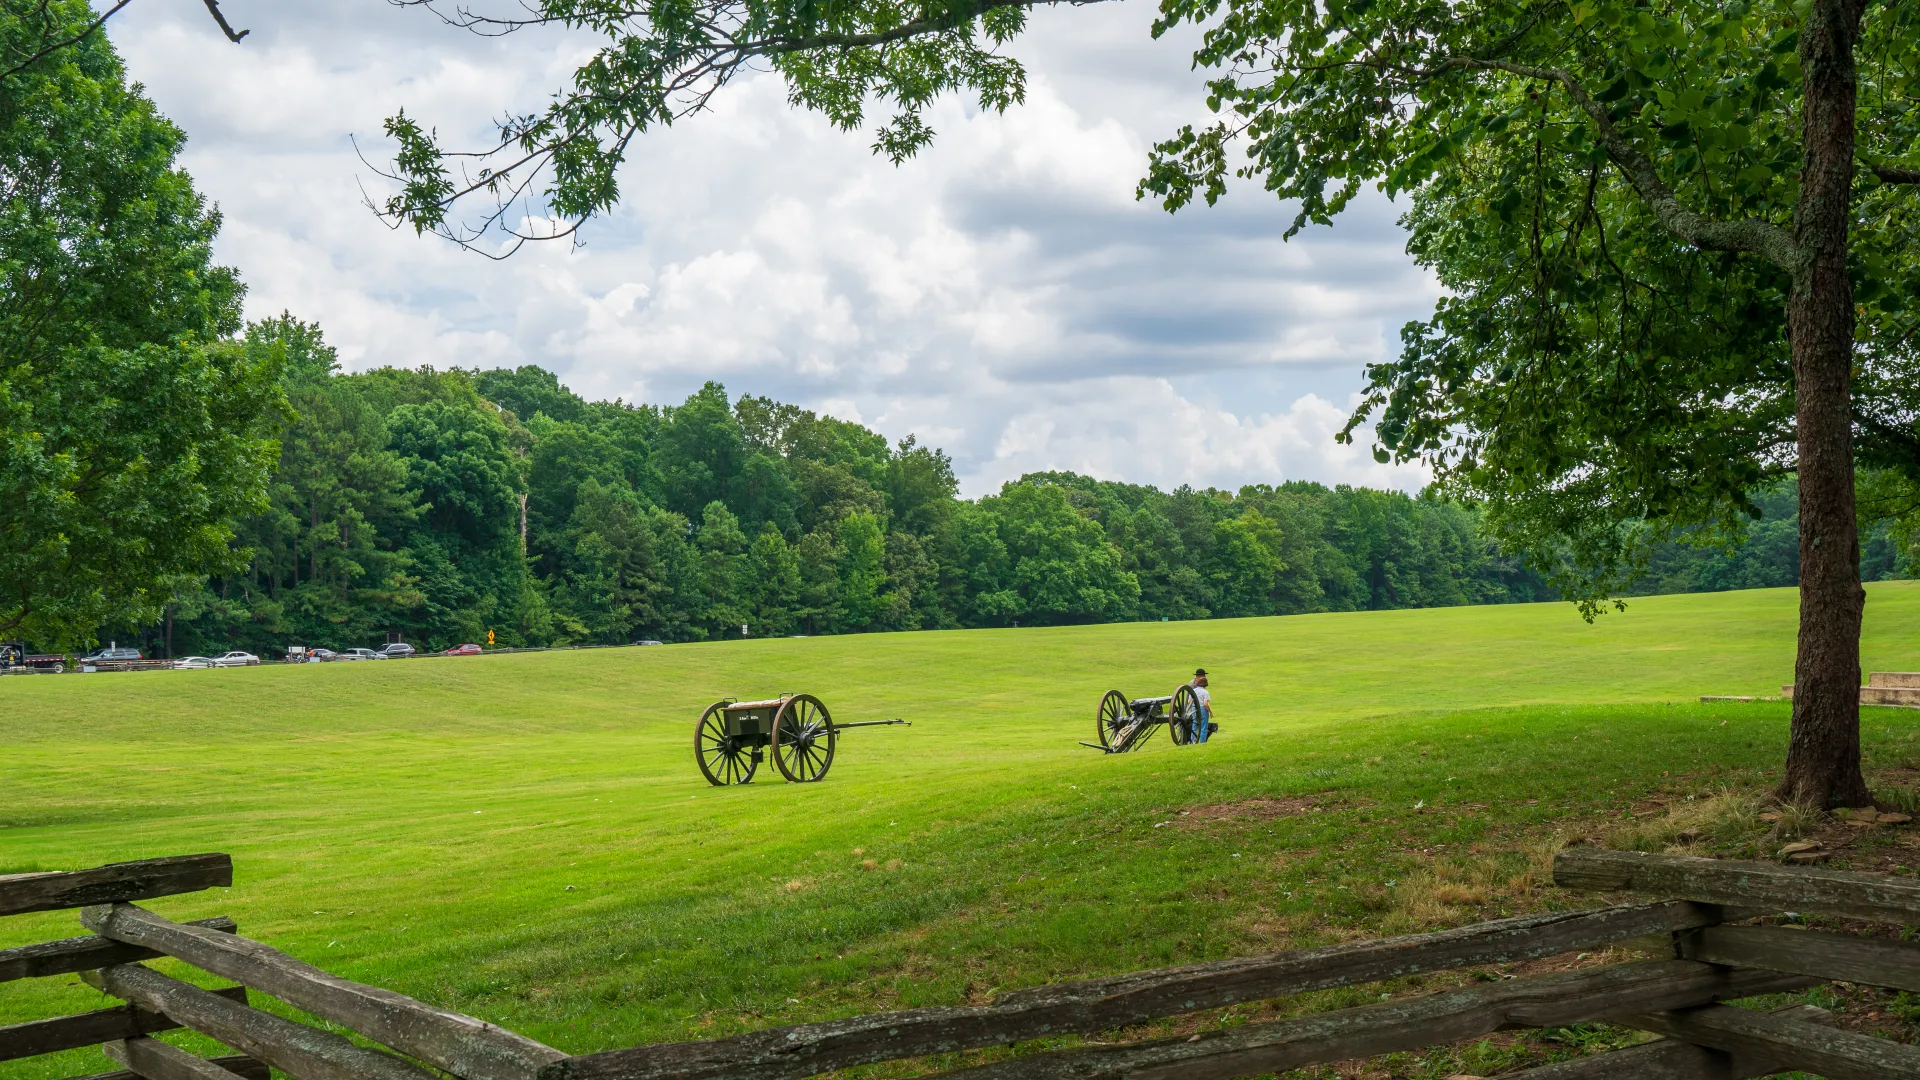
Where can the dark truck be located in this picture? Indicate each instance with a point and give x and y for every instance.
(15, 659)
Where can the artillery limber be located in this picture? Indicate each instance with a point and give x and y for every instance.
(732, 738)
(1126, 724)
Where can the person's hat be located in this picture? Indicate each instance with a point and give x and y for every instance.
(1199, 673)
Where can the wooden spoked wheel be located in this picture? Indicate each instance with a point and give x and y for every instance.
(723, 759)
(803, 739)
(1182, 724)
(1112, 717)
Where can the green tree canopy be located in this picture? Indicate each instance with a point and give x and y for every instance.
(133, 430)
(458, 459)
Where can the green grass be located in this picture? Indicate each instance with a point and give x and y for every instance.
(526, 838)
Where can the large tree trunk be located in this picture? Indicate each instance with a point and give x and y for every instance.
(1823, 754)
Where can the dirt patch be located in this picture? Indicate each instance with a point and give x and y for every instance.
(1261, 809)
(1870, 847)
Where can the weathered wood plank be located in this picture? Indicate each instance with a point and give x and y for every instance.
(140, 880)
(239, 1064)
(81, 954)
(1102, 1004)
(1662, 1059)
(1792, 1043)
(306, 1053)
(1670, 1059)
(1408, 1024)
(90, 1029)
(152, 1059)
(460, 1044)
(1841, 957)
(1879, 897)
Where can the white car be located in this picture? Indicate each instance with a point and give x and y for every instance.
(186, 662)
(236, 658)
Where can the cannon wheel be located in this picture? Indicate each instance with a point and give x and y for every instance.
(1185, 710)
(1112, 716)
(803, 739)
(721, 761)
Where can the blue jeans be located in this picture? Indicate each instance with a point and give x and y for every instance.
(1202, 723)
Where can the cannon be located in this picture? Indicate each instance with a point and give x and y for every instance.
(732, 738)
(1127, 723)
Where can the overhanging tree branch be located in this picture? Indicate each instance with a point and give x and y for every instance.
(1890, 174)
(49, 47)
(213, 8)
(547, 173)
(1751, 236)
(739, 49)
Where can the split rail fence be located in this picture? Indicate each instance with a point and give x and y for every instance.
(1679, 998)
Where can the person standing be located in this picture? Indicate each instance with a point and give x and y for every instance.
(1202, 724)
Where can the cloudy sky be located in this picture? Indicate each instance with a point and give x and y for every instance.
(1003, 295)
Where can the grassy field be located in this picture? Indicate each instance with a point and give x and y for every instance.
(526, 838)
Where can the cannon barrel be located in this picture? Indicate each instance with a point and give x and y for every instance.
(769, 703)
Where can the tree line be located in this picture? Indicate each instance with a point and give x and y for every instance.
(437, 506)
(1768, 553)
(440, 505)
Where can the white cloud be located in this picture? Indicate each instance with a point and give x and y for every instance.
(1003, 295)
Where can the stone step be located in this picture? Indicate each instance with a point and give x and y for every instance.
(1904, 680)
(1904, 696)
(1890, 695)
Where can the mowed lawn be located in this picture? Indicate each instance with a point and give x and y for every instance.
(526, 837)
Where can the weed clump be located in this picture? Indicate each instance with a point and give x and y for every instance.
(1728, 818)
(1905, 800)
(1794, 820)
(1441, 895)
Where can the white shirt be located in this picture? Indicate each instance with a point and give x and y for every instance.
(1206, 699)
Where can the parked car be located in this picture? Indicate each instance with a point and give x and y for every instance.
(360, 654)
(236, 658)
(463, 650)
(397, 650)
(321, 656)
(110, 654)
(649, 641)
(187, 662)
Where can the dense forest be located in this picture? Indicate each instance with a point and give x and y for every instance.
(436, 506)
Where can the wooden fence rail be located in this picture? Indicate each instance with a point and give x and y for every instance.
(461, 1045)
(1678, 998)
(142, 880)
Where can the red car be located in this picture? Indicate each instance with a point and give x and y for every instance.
(463, 650)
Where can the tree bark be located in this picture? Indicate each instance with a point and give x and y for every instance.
(1823, 753)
